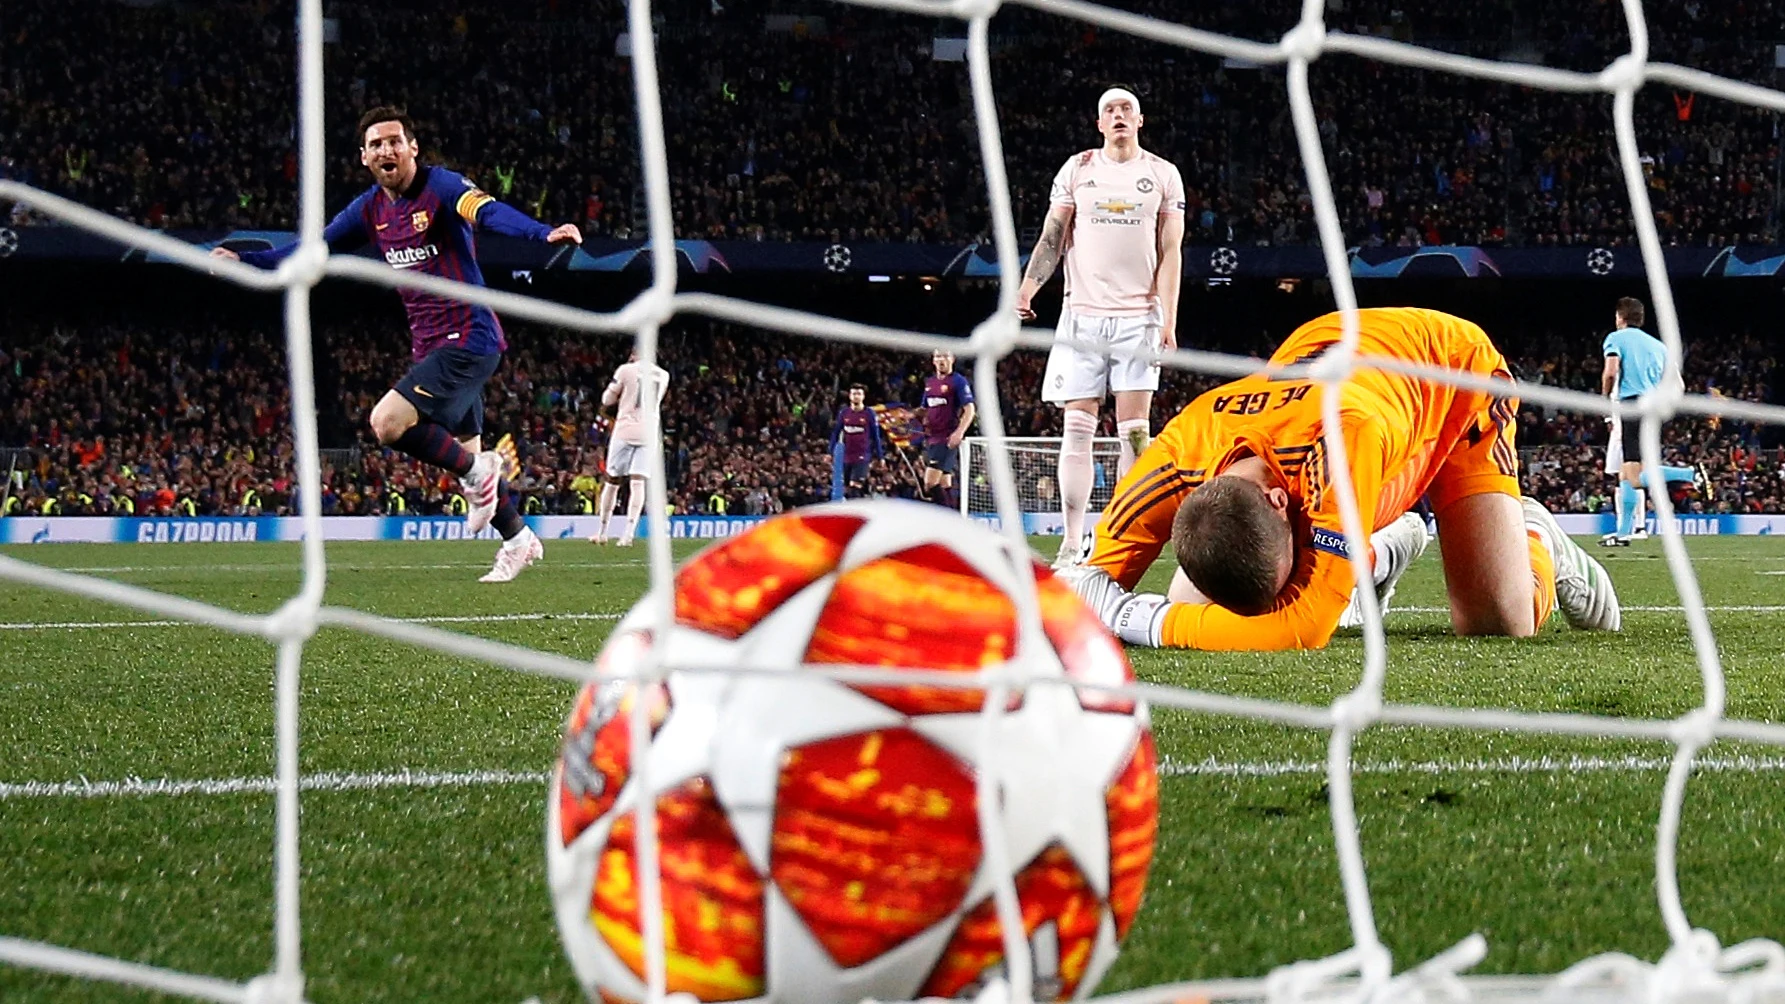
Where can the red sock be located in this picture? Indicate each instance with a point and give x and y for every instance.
(432, 444)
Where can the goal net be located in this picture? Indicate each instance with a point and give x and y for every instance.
(1034, 464)
(1696, 966)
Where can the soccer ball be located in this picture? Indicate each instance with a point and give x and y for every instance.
(820, 841)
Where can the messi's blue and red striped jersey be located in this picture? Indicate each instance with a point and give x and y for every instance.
(428, 228)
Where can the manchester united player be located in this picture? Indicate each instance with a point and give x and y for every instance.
(1240, 485)
(1116, 215)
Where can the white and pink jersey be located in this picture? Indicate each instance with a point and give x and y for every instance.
(1113, 249)
(626, 390)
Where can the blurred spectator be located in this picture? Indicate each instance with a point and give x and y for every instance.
(193, 418)
(844, 128)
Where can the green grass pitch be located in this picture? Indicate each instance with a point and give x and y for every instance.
(416, 893)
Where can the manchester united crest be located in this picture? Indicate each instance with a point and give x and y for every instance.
(419, 221)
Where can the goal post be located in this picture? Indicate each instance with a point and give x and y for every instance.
(1035, 461)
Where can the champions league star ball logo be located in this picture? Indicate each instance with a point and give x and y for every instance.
(1600, 261)
(837, 257)
(9, 242)
(819, 840)
(1223, 261)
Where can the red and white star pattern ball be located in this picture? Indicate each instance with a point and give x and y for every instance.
(820, 842)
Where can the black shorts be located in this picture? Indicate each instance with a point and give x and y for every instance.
(941, 457)
(1632, 439)
(856, 473)
(447, 388)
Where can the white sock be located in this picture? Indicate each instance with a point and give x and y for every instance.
(1125, 431)
(610, 493)
(519, 540)
(1379, 548)
(635, 504)
(1075, 471)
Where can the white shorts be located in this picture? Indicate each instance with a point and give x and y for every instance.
(626, 459)
(1074, 374)
(1614, 447)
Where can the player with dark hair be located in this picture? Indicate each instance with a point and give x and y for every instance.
(421, 218)
(948, 413)
(1635, 362)
(858, 430)
(1240, 485)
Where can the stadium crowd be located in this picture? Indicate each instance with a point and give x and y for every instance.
(840, 124)
(192, 418)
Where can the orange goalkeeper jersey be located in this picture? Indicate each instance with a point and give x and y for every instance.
(1404, 438)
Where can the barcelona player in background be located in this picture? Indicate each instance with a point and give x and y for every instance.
(948, 413)
(421, 218)
(857, 430)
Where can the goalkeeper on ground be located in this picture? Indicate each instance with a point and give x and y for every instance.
(1240, 485)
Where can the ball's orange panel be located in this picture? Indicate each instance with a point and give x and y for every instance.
(1133, 802)
(1050, 889)
(597, 755)
(876, 838)
(923, 608)
(728, 589)
(712, 898)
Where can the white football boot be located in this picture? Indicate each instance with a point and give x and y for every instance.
(1584, 588)
(510, 560)
(1403, 541)
(480, 490)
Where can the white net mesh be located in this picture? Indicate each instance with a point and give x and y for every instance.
(1034, 462)
(1695, 965)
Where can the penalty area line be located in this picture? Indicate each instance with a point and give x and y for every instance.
(443, 619)
(1774, 608)
(328, 781)
(1169, 767)
(337, 781)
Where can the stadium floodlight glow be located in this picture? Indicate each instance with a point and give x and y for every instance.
(1694, 964)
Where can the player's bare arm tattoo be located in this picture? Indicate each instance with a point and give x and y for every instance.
(1047, 251)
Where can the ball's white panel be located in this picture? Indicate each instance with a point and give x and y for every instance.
(763, 718)
(642, 617)
(1103, 955)
(801, 971)
(1044, 961)
(691, 647)
(684, 744)
(798, 967)
(1056, 760)
(779, 640)
(900, 972)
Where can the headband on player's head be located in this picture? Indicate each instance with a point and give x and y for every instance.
(1115, 93)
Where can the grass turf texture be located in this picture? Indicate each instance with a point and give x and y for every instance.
(413, 893)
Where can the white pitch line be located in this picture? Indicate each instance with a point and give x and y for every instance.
(444, 619)
(333, 567)
(331, 781)
(497, 618)
(1504, 765)
(335, 781)
(1744, 609)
